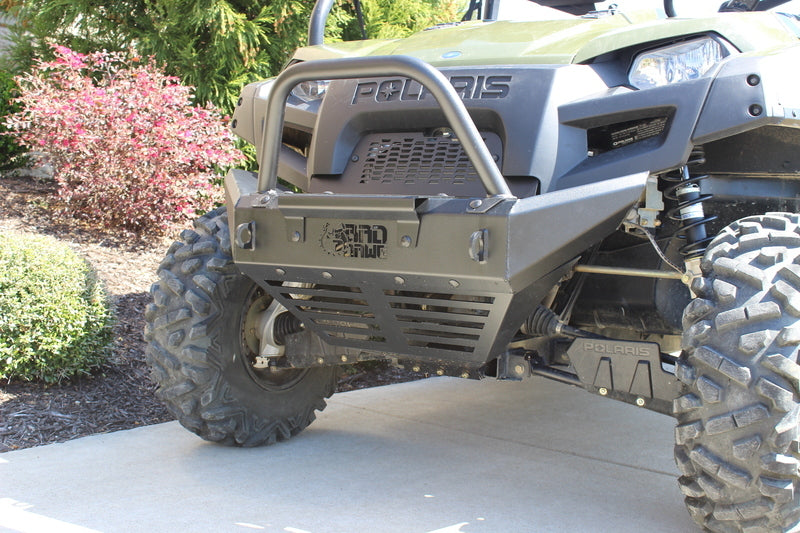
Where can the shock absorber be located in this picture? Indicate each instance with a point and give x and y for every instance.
(684, 190)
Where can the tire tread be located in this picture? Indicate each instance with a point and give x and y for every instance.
(736, 437)
(195, 276)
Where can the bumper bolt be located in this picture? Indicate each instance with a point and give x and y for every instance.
(602, 391)
(640, 402)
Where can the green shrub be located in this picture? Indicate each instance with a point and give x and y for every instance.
(10, 149)
(55, 320)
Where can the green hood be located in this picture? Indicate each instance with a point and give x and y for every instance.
(563, 41)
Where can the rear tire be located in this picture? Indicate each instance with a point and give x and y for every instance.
(201, 349)
(737, 432)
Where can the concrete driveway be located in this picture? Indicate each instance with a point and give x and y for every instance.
(441, 455)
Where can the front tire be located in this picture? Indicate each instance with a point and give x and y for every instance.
(202, 352)
(737, 432)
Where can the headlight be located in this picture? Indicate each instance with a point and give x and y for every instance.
(673, 64)
(308, 91)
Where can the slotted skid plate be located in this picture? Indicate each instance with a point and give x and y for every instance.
(387, 319)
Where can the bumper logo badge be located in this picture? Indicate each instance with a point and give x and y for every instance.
(367, 241)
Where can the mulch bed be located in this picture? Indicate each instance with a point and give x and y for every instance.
(119, 394)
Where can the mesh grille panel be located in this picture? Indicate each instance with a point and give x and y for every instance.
(383, 162)
(434, 160)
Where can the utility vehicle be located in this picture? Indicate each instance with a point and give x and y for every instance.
(608, 199)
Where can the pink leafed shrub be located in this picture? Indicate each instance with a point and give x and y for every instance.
(129, 148)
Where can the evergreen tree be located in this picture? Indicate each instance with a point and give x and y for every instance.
(215, 45)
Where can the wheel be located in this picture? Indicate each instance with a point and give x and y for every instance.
(202, 347)
(737, 432)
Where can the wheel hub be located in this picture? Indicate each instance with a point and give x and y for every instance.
(262, 353)
(269, 347)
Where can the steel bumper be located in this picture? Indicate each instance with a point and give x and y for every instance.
(429, 277)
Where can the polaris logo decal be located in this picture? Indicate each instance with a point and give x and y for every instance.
(612, 348)
(404, 89)
(366, 241)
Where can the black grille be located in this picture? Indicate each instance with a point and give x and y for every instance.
(385, 320)
(434, 160)
(386, 162)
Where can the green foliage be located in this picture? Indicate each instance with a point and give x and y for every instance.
(212, 45)
(81, 25)
(10, 150)
(401, 18)
(55, 321)
(215, 45)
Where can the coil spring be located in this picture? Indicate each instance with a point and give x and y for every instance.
(692, 229)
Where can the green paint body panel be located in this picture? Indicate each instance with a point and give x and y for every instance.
(560, 41)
